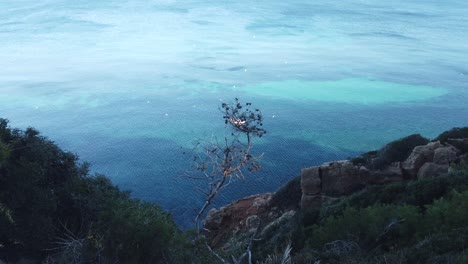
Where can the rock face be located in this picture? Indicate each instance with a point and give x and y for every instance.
(330, 179)
(311, 181)
(340, 178)
(445, 155)
(243, 215)
(324, 183)
(418, 157)
(431, 170)
(321, 183)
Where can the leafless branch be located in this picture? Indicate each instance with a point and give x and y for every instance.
(219, 163)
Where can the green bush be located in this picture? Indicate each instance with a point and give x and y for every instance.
(367, 227)
(50, 207)
(455, 133)
(400, 232)
(34, 184)
(364, 159)
(447, 214)
(418, 193)
(458, 132)
(4, 153)
(135, 232)
(288, 196)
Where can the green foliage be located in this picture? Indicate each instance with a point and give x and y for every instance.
(288, 196)
(51, 207)
(279, 258)
(34, 184)
(451, 137)
(364, 159)
(408, 222)
(401, 233)
(417, 193)
(398, 150)
(134, 232)
(447, 214)
(459, 169)
(458, 132)
(79, 218)
(366, 227)
(4, 153)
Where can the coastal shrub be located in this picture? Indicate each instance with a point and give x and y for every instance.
(4, 153)
(451, 137)
(403, 232)
(367, 227)
(418, 193)
(135, 232)
(398, 150)
(448, 213)
(34, 184)
(364, 159)
(50, 207)
(459, 169)
(454, 133)
(288, 196)
(303, 219)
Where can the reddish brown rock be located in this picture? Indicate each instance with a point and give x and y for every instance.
(242, 215)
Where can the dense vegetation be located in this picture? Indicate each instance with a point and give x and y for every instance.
(51, 207)
(421, 221)
(53, 210)
(398, 150)
(409, 222)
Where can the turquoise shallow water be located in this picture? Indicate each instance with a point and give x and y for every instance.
(131, 85)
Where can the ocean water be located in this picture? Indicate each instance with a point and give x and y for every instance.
(131, 85)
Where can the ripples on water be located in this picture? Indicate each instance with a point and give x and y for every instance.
(130, 85)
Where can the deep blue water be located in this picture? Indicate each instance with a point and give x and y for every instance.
(131, 85)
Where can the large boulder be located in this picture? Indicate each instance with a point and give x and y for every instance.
(418, 157)
(431, 170)
(243, 215)
(311, 182)
(340, 178)
(445, 155)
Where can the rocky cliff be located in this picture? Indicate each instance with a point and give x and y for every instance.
(256, 215)
(338, 178)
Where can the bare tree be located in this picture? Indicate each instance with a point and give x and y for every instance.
(219, 162)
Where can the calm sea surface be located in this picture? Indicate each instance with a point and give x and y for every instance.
(131, 85)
